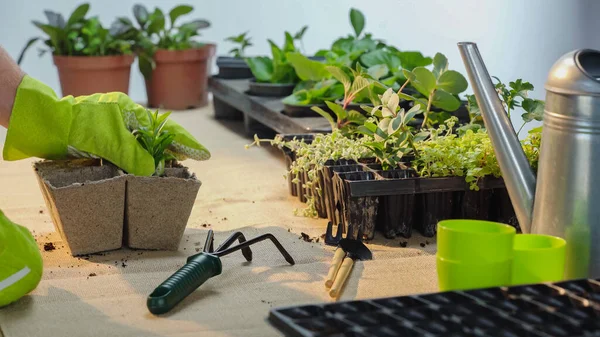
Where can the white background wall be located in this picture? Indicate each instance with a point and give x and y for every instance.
(517, 38)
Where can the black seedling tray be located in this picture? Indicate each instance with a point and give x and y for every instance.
(303, 110)
(541, 310)
(264, 111)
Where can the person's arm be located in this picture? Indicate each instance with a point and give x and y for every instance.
(10, 78)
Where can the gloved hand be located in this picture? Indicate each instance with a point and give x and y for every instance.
(99, 125)
(20, 262)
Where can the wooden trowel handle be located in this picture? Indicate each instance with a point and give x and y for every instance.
(338, 257)
(341, 277)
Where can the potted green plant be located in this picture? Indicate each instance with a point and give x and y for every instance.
(158, 207)
(89, 58)
(174, 65)
(234, 66)
(275, 76)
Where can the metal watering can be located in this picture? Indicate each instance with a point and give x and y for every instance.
(567, 188)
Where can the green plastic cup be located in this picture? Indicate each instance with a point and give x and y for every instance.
(538, 258)
(475, 241)
(455, 275)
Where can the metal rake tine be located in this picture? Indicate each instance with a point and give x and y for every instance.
(208, 244)
(252, 241)
(247, 252)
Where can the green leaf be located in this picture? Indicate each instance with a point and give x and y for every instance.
(424, 81)
(337, 110)
(381, 56)
(300, 33)
(179, 11)
(146, 65)
(54, 34)
(55, 19)
(78, 14)
(306, 68)
(157, 22)
(378, 71)
(326, 115)
(27, 45)
(340, 75)
(288, 46)
(415, 110)
(356, 117)
(534, 110)
(452, 82)
(261, 67)
(358, 84)
(363, 129)
(440, 64)
(521, 88)
(445, 100)
(357, 19)
(412, 59)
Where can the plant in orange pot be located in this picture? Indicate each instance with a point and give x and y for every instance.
(90, 58)
(174, 65)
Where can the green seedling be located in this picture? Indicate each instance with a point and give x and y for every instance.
(242, 41)
(155, 140)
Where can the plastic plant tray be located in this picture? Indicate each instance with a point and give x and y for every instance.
(569, 308)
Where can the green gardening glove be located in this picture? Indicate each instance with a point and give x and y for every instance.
(20, 262)
(99, 125)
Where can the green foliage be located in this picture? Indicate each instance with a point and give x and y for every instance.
(311, 92)
(389, 127)
(310, 158)
(531, 146)
(346, 121)
(470, 155)
(307, 69)
(277, 69)
(79, 36)
(242, 41)
(439, 86)
(357, 19)
(155, 140)
(513, 96)
(153, 33)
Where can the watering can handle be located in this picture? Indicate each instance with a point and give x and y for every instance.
(198, 269)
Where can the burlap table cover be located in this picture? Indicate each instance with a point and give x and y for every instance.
(105, 295)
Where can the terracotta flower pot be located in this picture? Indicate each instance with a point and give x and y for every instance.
(86, 202)
(180, 79)
(158, 208)
(86, 75)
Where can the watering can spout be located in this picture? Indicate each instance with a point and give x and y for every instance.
(518, 176)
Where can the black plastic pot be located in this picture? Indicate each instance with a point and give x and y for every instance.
(396, 212)
(475, 204)
(502, 209)
(233, 68)
(359, 214)
(303, 110)
(436, 206)
(226, 111)
(270, 89)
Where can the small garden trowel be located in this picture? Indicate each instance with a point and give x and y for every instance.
(347, 252)
(200, 267)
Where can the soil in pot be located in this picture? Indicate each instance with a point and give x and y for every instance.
(180, 79)
(358, 213)
(86, 202)
(233, 68)
(158, 208)
(270, 89)
(226, 111)
(86, 75)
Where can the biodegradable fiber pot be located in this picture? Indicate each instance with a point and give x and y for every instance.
(158, 208)
(85, 201)
(86, 75)
(180, 79)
